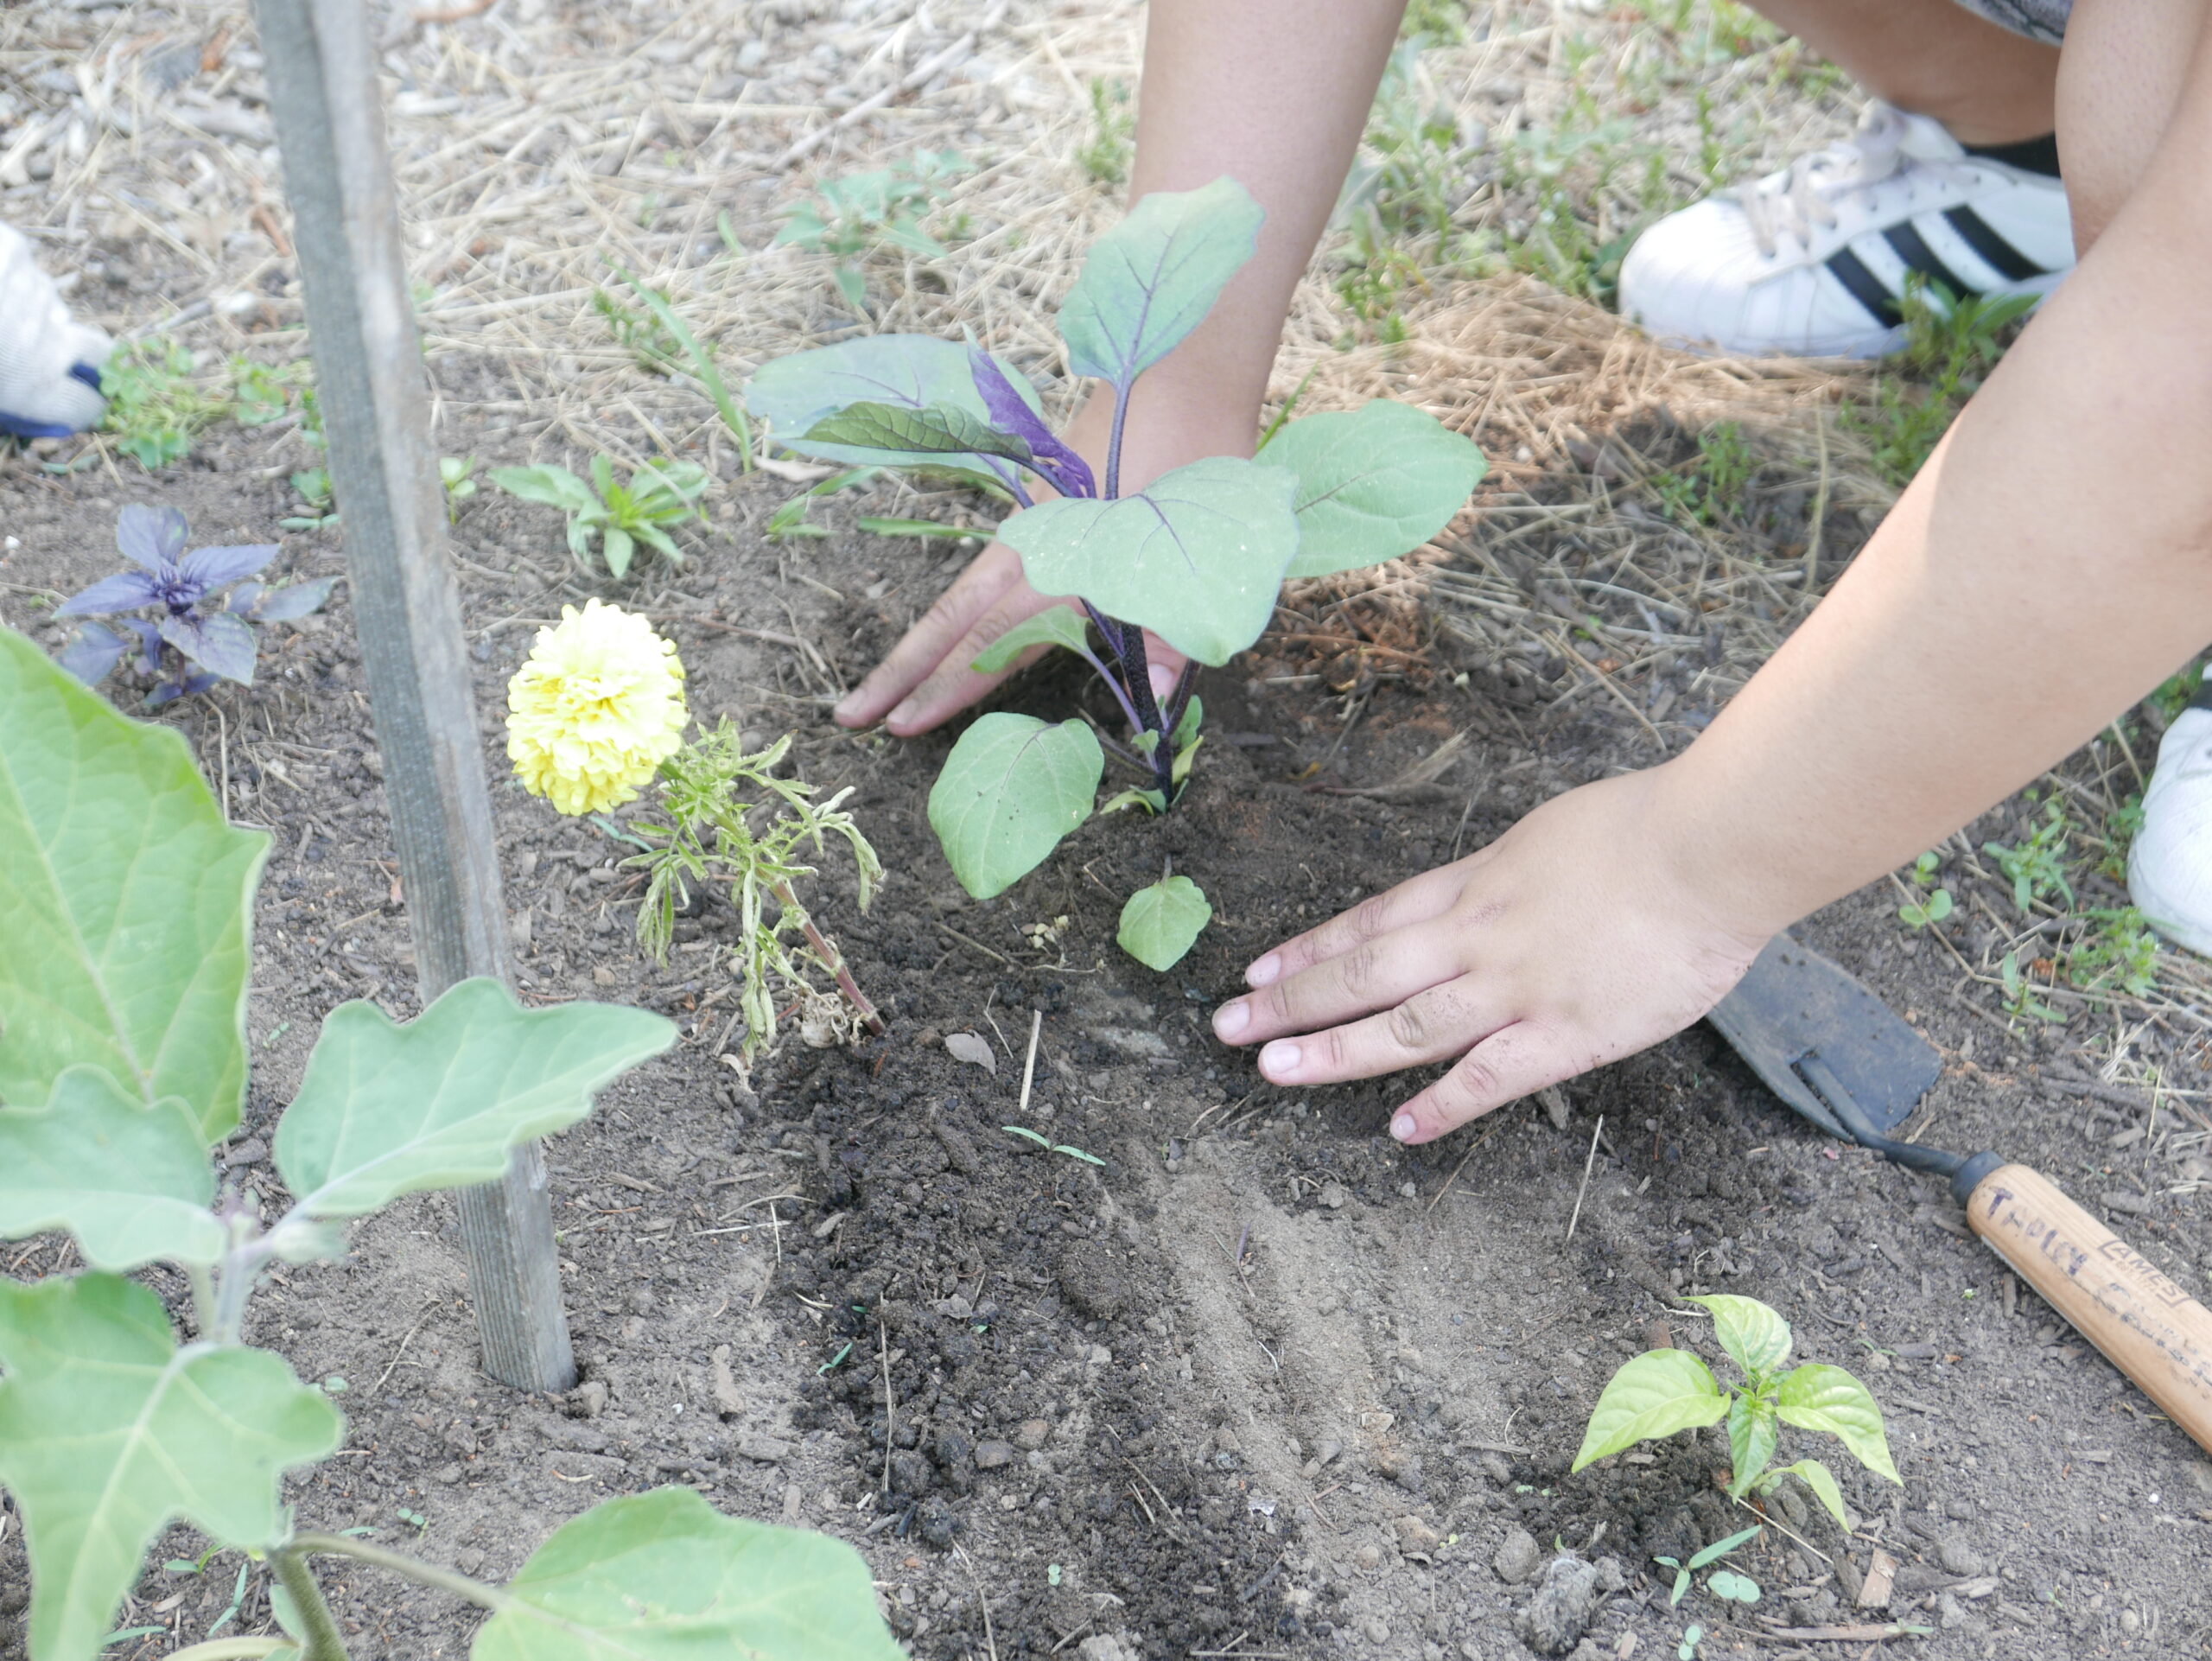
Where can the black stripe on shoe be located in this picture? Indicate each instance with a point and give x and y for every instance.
(2000, 255)
(1865, 288)
(1912, 248)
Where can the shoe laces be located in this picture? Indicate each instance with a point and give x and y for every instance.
(1805, 196)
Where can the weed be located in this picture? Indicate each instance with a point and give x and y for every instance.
(2120, 953)
(659, 494)
(1104, 155)
(697, 358)
(1411, 172)
(1049, 1145)
(1710, 485)
(156, 404)
(261, 394)
(2122, 825)
(1442, 22)
(2020, 1000)
(789, 520)
(312, 487)
(713, 796)
(2037, 868)
(1935, 907)
(1950, 346)
(863, 214)
(638, 333)
(457, 477)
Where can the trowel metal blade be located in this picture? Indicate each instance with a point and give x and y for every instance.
(1794, 1003)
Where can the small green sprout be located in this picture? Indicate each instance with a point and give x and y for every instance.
(1661, 1391)
(1049, 1146)
(1687, 1649)
(2020, 1000)
(155, 405)
(659, 494)
(864, 214)
(1105, 155)
(312, 487)
(2037, 868)
(1718, 1549)
(456, 475)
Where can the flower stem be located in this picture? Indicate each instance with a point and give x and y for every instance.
(1113, 443)
(831, 959)
(322, 1642)
(444, 1580)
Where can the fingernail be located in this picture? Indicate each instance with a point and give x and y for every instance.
(1231, 1018)
(846, 705)
(1402, 1127)
(1278, 1059)
(1263, 972)
(901, 713)
(1163, 680)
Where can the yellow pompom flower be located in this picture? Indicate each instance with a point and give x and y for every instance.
(598, 707)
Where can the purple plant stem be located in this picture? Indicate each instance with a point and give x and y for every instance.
(831, 956)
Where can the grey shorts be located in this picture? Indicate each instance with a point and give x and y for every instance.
(2039, 20)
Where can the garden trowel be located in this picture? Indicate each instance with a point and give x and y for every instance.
(1842, 1058)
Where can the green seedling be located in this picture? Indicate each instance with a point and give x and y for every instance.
(695, 358)
(1663, 1391)
(730, 823)
(1692, 1636)
(1049, 1145)
(1104, 155)
(1199, 556)
(1412, 171)
(125, 1067)
(2120, 953)
(1931, 906)
(2020, 1000)
(261, 394)
(1725, 1584)
(1950, 346)
(638, 333)
(312, 487)
(923, 530)
(156, 404)
(660, 494)
(457, 477)
(2037, 868)
(862, 215)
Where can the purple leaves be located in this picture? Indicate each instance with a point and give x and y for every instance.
(1060, 467)
(216, 641)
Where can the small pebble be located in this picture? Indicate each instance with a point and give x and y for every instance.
(1958, 1555)
(990, 1455)
(1518, 1557)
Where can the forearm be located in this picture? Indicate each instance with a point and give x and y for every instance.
(1273, 94)
(2049, 567)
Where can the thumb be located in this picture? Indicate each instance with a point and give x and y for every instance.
(1164, 666)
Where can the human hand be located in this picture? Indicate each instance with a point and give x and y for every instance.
(927, 678)
(1579, 936)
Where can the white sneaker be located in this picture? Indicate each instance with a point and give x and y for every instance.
(49, 362)
(1811, 261)
(2170, 863)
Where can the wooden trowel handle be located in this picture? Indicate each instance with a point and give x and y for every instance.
(2147, 1327)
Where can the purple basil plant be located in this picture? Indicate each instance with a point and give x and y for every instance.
(197, 635)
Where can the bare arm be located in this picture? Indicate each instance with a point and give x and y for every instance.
(2051, 564)
(1272, 93)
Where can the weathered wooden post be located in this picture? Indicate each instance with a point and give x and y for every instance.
(322, 89)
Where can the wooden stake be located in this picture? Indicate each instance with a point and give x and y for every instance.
(322, 91)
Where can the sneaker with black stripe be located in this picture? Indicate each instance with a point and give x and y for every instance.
(1813, 261)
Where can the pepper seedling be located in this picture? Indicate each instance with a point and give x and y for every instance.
(1661, 1391)
(1197, 556)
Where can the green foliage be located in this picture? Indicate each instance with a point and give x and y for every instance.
(1661, 1391)
(2037, 868)
(1163, 921)
(730, 823)
(2020, 1000)
(794, 395)
(1012, 787)
(1105, 155)
(1049, 1145)
(1931, 907)
(1950, 346)
(156, 402)
(662, 1576)
(863, 215)
(659, 494)
(1709, 489)
(2120, 953)
(457, 478)
(1412, 169)
(1152, 278)
(695, 358)
(638, 333)
(98, 814)
(1724, 1583)
(1062, 626)
(1198, 556)
(110, 1428)
(1372, 483)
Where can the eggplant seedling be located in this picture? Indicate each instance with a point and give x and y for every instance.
(1197, 556)
(659, 494)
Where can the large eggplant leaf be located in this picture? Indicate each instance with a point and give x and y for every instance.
(131, 1182)
(1055, 626)
(1373, 483)
(907, 371)
(108, 1430)
(1163, 922)
(1197, 556)
(1654, 1393)
(940, 429)
(1012, 786)
(125, 902)
(663, 1576)
(1149, 281)
(387, 1109)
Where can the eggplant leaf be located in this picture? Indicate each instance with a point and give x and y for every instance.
(108, 1431)
(388, 1109)
(1151, 280)
(907, 371)
(131, 1182)
(1163, 920)
(126, 901)
(1012, 788)
(1373, 483)
(939, 429)
(1057, 626)
(1197, 556)
(1654, 1393)
(663, 1576)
